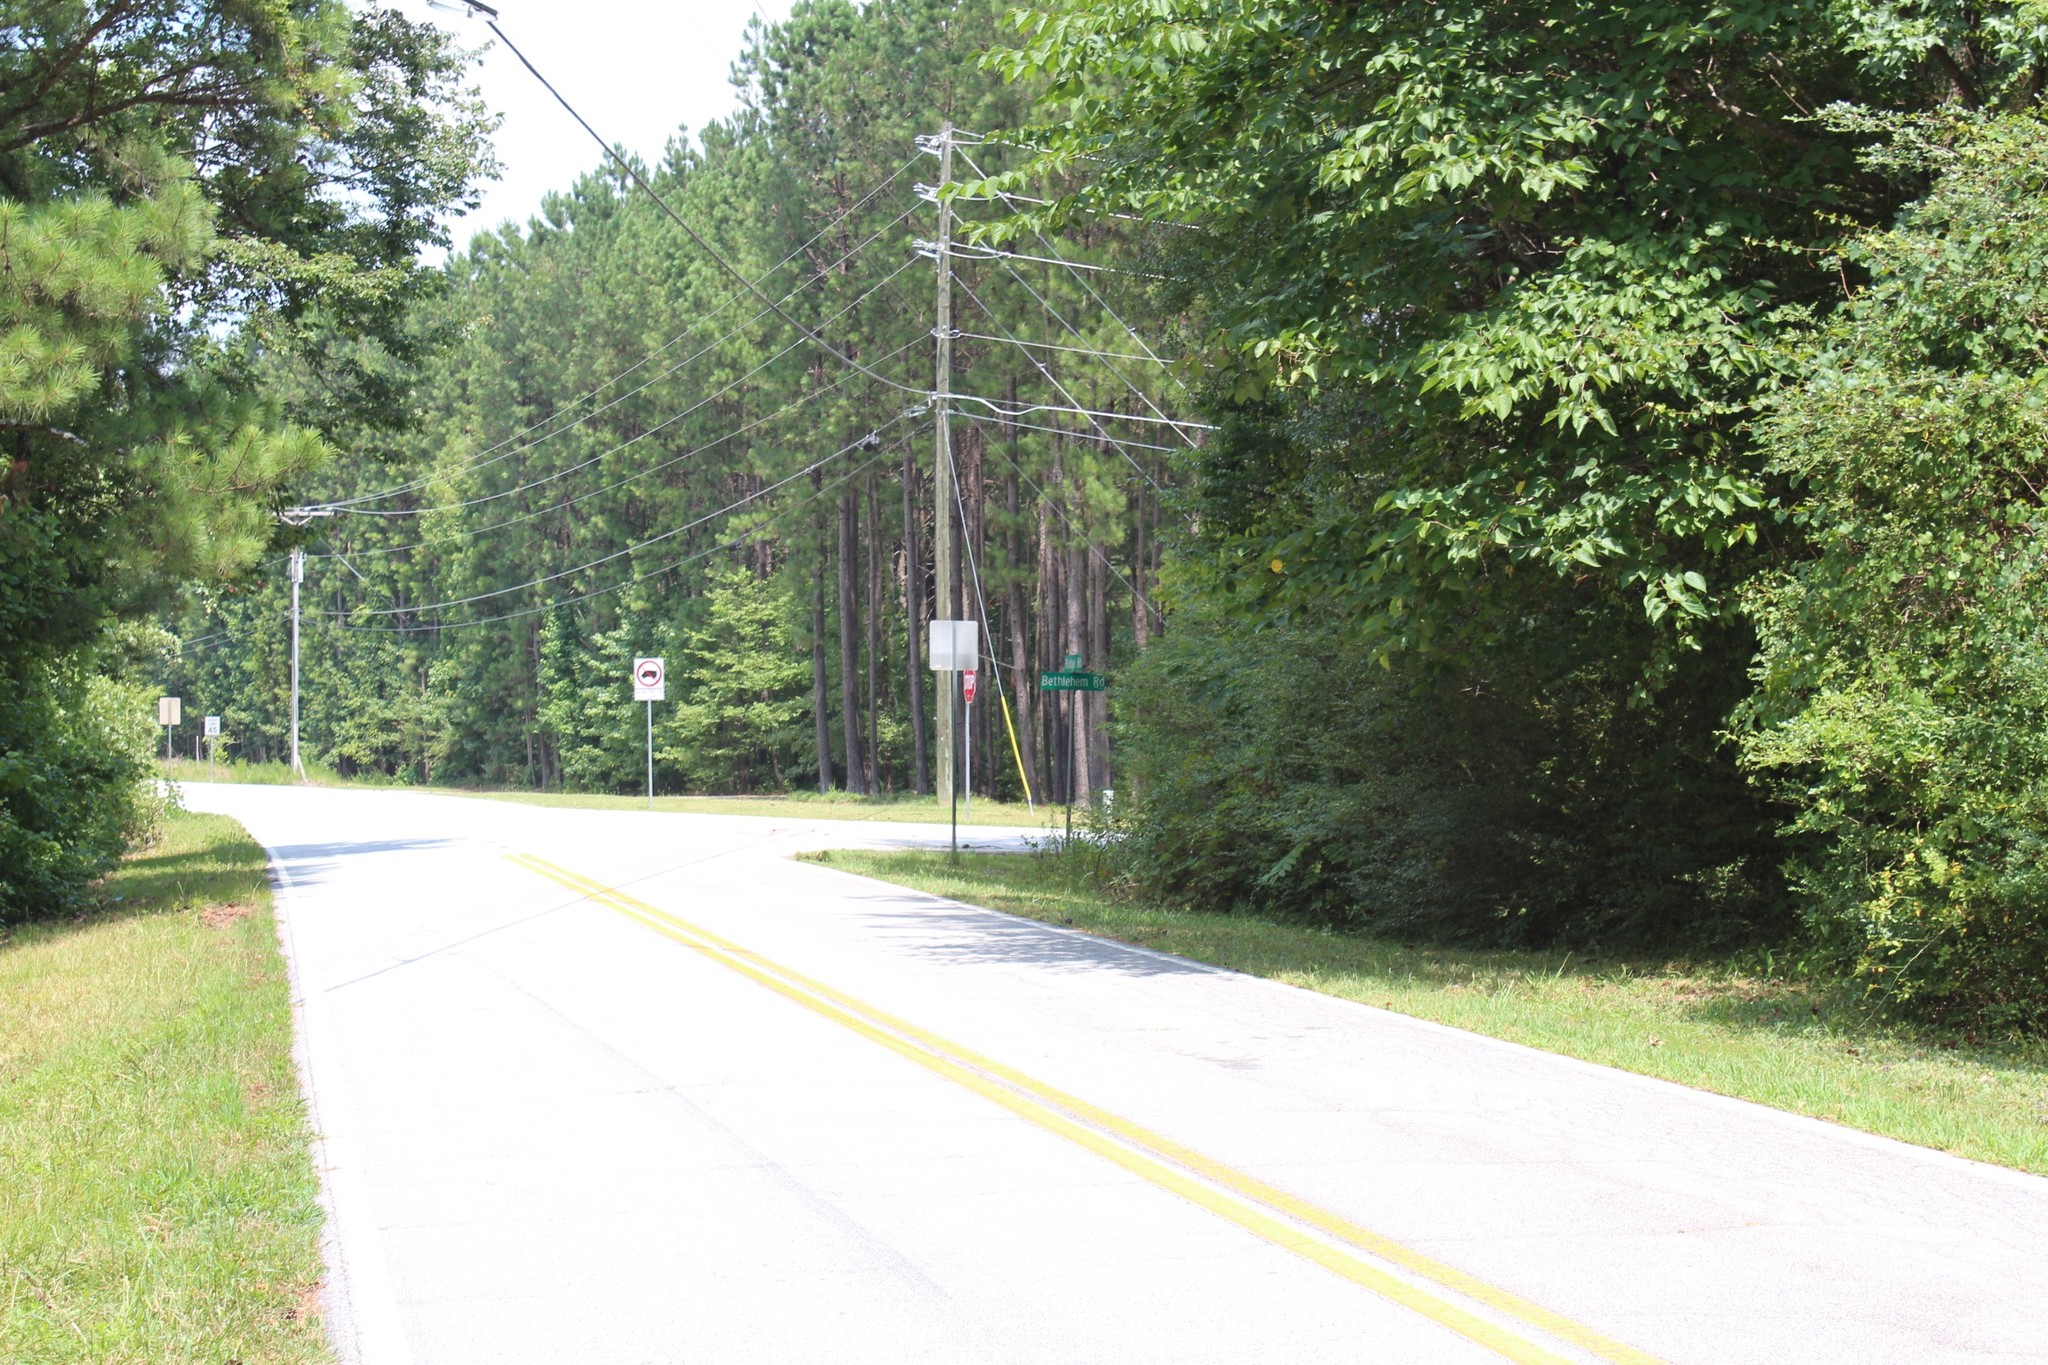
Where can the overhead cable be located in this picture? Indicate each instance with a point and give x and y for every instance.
(351, 506)
(985, 420)
(972, 252)
(871, 436)
(759, 422)
(1050, 345)
(663, 425)
(479, 462)
(752, 533)
(998, 407)
(1082, 280)
(633, 172)
(1052, 379)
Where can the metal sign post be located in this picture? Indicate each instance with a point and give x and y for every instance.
(298, 576)
(967, 742)
(1070, 680)
(954, 647)
(169, 711)
(650, 684)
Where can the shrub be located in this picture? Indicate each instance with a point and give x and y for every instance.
(74, 764)
(1527, 801)
(1903, 678)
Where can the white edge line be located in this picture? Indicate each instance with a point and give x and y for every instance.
(359, 1308)
(1806, 1123)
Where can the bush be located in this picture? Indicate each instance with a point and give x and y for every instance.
(1531, 801)
(74, 762)
(1903, 679)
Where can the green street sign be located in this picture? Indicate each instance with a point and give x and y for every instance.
(1072, 681)
(1073, 664)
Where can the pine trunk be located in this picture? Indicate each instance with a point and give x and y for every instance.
(818, 708)
(913, 626)
(849, 641)
(1075, 636)
(874, 586)
(1098, 702)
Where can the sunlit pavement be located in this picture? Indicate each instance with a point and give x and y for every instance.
(735, 1108)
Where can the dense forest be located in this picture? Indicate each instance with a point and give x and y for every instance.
(620, 449)
(1557, 475)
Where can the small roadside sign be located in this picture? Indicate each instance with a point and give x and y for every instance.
(954, 646)
(1072, 681)
(213, 727)
(967, 686)
(650, 680)
(169, 710)
(1073, 664)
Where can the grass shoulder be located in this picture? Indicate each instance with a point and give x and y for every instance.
(1772, 1041)
(795, 805)
(897, 807)
(157, 1196)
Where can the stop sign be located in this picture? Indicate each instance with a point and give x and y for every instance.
(967, 686)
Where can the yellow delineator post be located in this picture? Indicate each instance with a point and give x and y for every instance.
(1016, 752)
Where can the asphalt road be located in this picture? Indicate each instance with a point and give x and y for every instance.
(619, 1087)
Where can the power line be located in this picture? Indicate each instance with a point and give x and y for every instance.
(1076, 332)
(692, 453)
(1051, 345)
(630, 441)
(704, 245)
(1050, 378)
(931, 192)
(479, 462)
(1060, 512)
(1082, 280)
(997, 406)
(350, 506)
(752, 533)
(630, 549)
(987, 421)
(975, 252)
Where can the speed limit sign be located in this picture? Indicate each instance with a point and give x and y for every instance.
(650, 680)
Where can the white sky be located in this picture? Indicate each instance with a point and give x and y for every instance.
(636, 69)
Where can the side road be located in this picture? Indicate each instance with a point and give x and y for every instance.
(638, 1087)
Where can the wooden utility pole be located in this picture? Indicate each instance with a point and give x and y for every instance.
(946, 608)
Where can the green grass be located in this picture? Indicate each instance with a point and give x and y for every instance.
(1773, 1041)
(265, 774)
(157, 1200)
(796, 805)
(785, 805)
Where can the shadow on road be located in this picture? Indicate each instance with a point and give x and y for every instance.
(942, 934)
(311, 864)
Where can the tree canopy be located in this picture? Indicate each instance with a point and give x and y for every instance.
(194, 198)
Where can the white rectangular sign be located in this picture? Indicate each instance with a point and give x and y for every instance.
(213, 727)
(954, 646)
(169, 710)
(650, 680)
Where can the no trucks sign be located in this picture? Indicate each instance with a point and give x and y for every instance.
(650, 680)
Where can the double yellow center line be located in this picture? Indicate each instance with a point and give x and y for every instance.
(1259, 1208)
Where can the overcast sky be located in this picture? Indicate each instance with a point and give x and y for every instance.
(637, 70)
